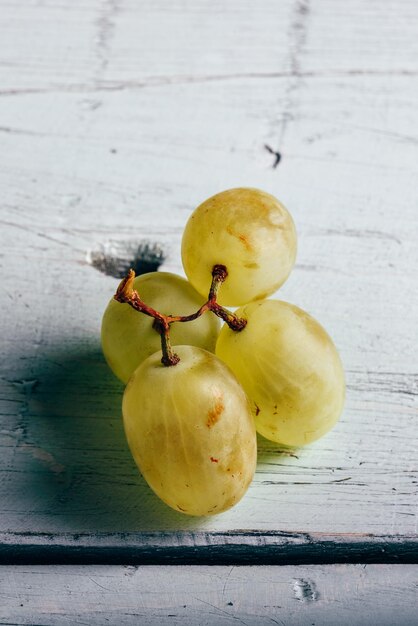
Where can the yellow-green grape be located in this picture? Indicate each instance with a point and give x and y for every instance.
(290, 369)
(191, 432)
(128, 337)
(248, 231)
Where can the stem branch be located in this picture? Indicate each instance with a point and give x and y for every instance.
(126, 293)
(169, 356)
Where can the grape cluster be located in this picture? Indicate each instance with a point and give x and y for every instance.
(196, 393)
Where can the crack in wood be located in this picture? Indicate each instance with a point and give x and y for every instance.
(249, 547)
(297, 40)
(106, 28)
(158, 81)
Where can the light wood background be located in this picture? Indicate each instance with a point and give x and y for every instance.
(117, 118)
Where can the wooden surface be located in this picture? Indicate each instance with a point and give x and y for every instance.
(347, 595)
(116, 119)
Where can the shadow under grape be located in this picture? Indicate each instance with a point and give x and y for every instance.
(84, 478)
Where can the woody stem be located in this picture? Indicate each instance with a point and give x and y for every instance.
(126, 293)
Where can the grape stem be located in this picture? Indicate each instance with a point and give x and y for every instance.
(125, 293)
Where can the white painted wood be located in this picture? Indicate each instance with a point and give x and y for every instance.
(116, 119)
(379, 595)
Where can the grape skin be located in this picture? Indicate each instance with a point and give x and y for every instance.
(191, 431)
(251, 233)
(290, 369)
(128, 336)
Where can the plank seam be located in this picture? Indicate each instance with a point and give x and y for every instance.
(206, 548)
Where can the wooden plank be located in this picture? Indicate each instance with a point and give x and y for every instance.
(120, 146)
(302, 596)
(116, 44)
(61, 434)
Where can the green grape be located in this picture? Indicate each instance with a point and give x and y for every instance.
(290, 369)
(248, 231)
(191, 432)
(128, 337)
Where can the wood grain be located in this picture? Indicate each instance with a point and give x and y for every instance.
(116, 119)
(254, 596)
